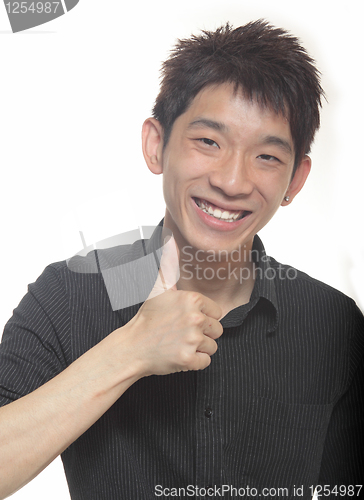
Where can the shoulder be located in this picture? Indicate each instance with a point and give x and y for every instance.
(329, 321)
(318, 309)
(297, 284)
(119, 277)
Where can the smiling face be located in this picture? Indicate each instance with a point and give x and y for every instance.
(227, 168)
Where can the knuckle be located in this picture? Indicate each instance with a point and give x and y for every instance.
(195, 298)
(197, 319)
(186, 359)
(193, 337)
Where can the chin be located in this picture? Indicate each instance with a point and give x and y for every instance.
(206, 245)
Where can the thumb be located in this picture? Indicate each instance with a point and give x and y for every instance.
(169, 273)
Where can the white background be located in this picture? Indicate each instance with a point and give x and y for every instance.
(73, 95)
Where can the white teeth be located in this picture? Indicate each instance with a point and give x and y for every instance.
(218, 214)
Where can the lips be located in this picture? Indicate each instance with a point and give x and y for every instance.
(220, 213)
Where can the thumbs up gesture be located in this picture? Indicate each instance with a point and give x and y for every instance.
(168, 270)
(174, 330)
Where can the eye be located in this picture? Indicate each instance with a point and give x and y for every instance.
(269, 158)
(208, 142)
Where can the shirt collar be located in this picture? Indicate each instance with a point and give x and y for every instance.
(264, 286)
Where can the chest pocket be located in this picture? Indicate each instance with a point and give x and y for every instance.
(281, 444)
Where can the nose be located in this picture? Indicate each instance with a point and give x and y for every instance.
(233, 176)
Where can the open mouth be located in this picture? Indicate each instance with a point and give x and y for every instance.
(220, 213)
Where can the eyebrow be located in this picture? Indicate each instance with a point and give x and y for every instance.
(205, 122)
(221, 127)
(278, 141)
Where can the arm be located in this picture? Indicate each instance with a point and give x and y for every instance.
(39, 426)
(343, 455)
(173, 331)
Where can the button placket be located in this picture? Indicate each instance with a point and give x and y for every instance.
(208, 425)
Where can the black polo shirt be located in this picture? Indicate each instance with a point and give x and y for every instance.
(278, 410)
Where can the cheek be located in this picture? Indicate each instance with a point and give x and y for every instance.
(172, 187)
(273, 188)
(171, 180)
(177, 176)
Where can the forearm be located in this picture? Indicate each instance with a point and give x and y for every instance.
(174, 331)
(38, 427)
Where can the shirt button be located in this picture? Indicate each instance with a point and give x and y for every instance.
(208, 412)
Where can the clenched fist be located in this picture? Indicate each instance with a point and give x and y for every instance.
(174, 330)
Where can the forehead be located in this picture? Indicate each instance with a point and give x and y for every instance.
(228, 110)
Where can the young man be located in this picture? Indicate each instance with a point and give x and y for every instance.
(239, 376)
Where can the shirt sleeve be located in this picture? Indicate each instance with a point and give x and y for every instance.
(343, 456)
(36, 340)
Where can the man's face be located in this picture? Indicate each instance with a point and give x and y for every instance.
(227, 167)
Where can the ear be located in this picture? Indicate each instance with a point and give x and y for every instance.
(298, 180)
(152, 142)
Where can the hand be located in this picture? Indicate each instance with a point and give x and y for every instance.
(174, 330)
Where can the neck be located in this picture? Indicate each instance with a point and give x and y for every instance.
(228, 279)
